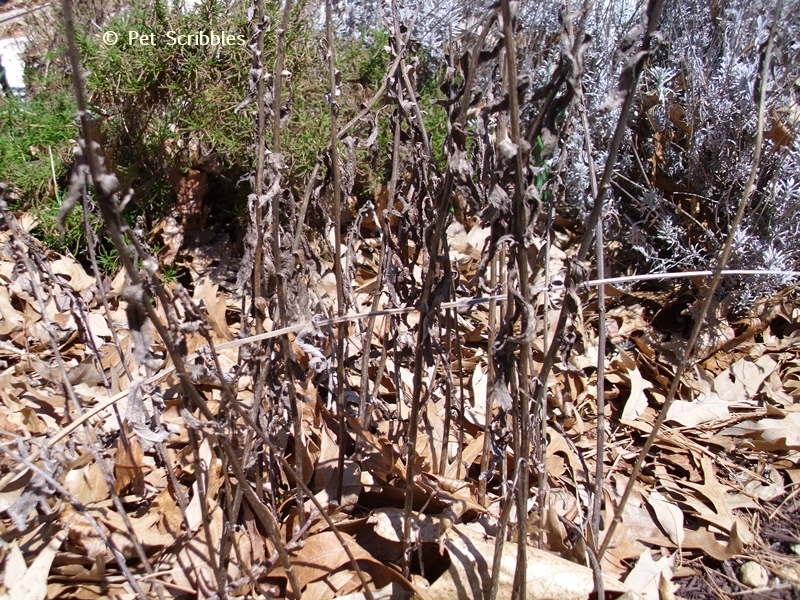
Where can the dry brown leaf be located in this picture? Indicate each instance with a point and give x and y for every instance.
(322, 555)
(469, 575)
(30, 583)
(325, 474)
(70, 268)
(388, 524)
(87, 484)
(669, 516)
(702, 539)
(770, 434)
(720, 512)
(637, 400)
(708, 406)
(469, 455)
(644, 579)
(216, 308)
(12, 318)
(128, 465)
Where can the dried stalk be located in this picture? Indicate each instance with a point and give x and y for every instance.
(686, 359)
(294, 475)
(500, 540)
(420, 123)
(383, 263)
(337, 252)
(597, 491)
(428, 305)
(258, 65)
(654, 15)
(106, 185)
(486, 457)
(280, 275)
(18, 248)
(522, 410)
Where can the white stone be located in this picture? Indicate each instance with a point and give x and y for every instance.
(753, 575)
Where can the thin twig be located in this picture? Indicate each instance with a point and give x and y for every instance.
(428, 305)
(520, 223)
(258, 66)
(337, 251)
(654, 9)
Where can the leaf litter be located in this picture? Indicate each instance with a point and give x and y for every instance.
(182, 531)
(115, 482)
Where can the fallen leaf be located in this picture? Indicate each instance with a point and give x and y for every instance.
(645, 578)
(549, 577)
(691, 414)
(669, 516)
(128, 465)
(637, 401)
(720, 513)
(70, 268)
(30, 583)
(702, 539)
(751, 374)
(770, 434)
(322, 555)
(388, 524)
(12, 318)
(215, 307)
(767, 492)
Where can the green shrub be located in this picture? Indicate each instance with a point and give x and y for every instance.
(163, 107)
(29, 132)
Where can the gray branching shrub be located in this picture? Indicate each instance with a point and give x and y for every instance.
(691, 146)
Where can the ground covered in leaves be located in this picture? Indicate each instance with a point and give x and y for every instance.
(392, 391)
(101, 450)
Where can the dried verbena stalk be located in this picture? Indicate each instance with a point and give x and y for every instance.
(519, 254)
(576, 272)
(334, 77)
(36, 270)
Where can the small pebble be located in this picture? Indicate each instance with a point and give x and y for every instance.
(753, 575)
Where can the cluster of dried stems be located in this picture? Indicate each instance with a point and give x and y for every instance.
(500, 183)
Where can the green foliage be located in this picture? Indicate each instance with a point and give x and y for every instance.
(108, 260)
(36, 139)
(435, 118)
(163, 106)
(171, 273)
(29, 132)
(167, 104)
